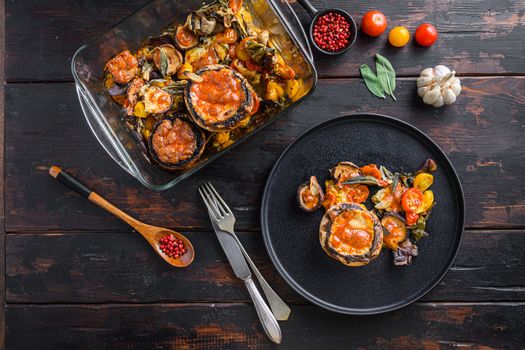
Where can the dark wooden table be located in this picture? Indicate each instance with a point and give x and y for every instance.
(76, 278)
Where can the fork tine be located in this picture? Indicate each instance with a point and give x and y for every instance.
(213, 202)
(211, 208)
(215, 199)
(227, 208)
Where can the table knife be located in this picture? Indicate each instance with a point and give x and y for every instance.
(241, 270)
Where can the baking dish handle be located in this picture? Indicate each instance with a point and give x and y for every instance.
(100, 130)
(302, 38)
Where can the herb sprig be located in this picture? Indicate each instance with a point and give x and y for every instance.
(385, 80)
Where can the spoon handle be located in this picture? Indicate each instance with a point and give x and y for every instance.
(94, 197)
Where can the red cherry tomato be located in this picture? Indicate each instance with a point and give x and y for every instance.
(374, 23)
(426, 34)
(412, 200)
(411, 218)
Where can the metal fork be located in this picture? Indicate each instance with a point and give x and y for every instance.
(226, 223)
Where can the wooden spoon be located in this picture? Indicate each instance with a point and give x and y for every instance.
(152, 234)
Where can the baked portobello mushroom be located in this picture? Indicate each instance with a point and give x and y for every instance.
(176, 143)
(221, 101)
(310, 195)
(351, 234)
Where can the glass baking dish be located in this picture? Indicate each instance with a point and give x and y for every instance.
(106, 118)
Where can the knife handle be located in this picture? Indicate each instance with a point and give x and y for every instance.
(268, 321)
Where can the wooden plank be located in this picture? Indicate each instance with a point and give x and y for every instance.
(2, 163)
(235, 326)
(51, 32)
(121, 267)
(480, 37)
(482, 134)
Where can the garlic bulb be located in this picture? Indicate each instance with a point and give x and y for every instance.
(438, 86)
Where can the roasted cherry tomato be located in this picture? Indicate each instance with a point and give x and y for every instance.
(228, 36)
(426, 34)
(399, 36)
(428, 200)
(251, 65)
(372, 170)
(374, 23)
(412, 200)
(423, 181)
(411, 218)
(235, 5)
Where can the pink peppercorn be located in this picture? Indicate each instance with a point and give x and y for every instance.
(172, 246)
(331, 32)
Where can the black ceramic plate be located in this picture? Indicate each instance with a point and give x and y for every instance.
(291, 235)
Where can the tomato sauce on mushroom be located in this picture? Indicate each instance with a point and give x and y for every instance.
(123, 67)
(218, 96)
(174, 141)
(352, 232)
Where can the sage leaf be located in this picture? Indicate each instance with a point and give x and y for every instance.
(386, 75)
(163, 63)
(371, 81)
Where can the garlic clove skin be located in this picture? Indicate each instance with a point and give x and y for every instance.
(422, 90)
(427, 72)
(439, 102)
(424, 81)
(456, 88)
(432, 95)
(441, 70)
(449, 97)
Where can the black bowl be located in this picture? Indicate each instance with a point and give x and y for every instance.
(353, 31)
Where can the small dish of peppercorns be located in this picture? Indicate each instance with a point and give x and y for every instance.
(332, 31)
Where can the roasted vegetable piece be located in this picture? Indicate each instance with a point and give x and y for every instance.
(241, 51)
(310, 195)
(167, 59)
(412, 200)
(176, 143)
(133, 93)
(156, 100)
(351, 234)
(337, 194)
(256, 104)
(423, 181)
(344, 170)
(122, 67)
(228, 36)
(428, 201)
(235, 5)
(185, 39)
(404, 253)
(396, 230)
(201, 56)
(221, 101)
(372, 170)
(274, 91)
(258, 51)
(429, 166)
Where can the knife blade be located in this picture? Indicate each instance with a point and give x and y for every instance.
(233, 253)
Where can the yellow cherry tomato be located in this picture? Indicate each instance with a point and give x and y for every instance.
(423, 181)
(399, 36)
(428, 200)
